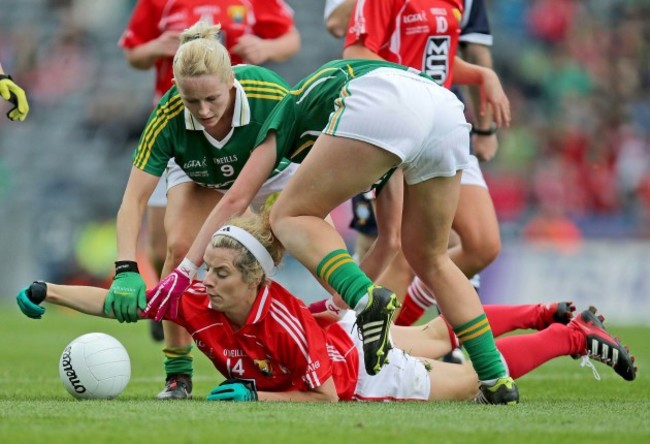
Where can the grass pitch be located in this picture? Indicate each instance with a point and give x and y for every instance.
(561, 402)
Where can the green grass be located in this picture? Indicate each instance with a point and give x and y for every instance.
(561, 402)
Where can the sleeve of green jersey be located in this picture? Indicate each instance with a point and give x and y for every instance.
(281, 121)
(154, 148)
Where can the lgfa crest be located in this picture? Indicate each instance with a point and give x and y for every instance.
(264, 366)
(237, 13)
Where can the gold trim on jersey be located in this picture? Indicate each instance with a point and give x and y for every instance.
(256, 89)
(263, 83)
(336, 117)
(312, 79)
(258, 93)
(301, 148)
(350, 70)
(164, 114)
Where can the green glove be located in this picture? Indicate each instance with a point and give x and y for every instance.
(16, 95)
(234, 390)
(29, 297)
(127, 292)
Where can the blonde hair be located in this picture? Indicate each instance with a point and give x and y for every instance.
(201, 53)
(260, 228)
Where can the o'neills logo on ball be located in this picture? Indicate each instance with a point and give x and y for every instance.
(69, 371)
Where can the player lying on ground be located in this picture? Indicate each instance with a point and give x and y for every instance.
(342, 124)
(270, 347)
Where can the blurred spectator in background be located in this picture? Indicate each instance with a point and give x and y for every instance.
(549, 227)
(577, 74)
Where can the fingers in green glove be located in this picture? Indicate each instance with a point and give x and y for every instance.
(29, 308)
(9, 88)
(232, 392)
(126, 294)
(17, 115)
(4, 89)
(142, 298)
(128, 306)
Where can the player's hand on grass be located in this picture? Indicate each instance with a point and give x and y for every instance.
(164, 297)
(16, 95)
(234, 390)
(127, 293)
(29, 298)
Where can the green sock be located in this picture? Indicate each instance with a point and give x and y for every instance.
(178, 360)
(476, 336)
(340, 271)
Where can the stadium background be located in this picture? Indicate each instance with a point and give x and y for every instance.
(571, 181)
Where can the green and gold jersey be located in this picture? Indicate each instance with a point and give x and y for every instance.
(305, 112)
(172, 132)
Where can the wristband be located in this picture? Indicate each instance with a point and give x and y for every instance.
(37, 292)
(188, 267)
(489, 131)
(126, 266)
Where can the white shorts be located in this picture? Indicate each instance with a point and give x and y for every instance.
(330, 6)
(412, 117)
(404, 378)
(159, 196)
(176, 176)
(472, 175)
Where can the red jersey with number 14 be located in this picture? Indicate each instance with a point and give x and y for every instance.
(281, 346)
(422, 34)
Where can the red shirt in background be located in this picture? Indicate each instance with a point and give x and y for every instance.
(422, 34)
(151, 18)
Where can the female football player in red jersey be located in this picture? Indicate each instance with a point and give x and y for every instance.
(269, 347)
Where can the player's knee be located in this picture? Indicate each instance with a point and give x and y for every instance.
(157, 253)
(427, 265)
(177, 249)
(482, 252)
(277, 219)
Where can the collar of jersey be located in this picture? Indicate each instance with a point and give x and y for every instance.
(241, 115)
(261, 305)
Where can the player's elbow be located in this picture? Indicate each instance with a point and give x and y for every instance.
(336, 27)
(329, 396)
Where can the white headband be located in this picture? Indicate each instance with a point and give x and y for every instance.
(253, 245)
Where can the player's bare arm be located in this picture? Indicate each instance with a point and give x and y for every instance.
(491, 91)
(358, 51)
(324, 393)
(237, 199)
(256, 50)
(144, 56)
